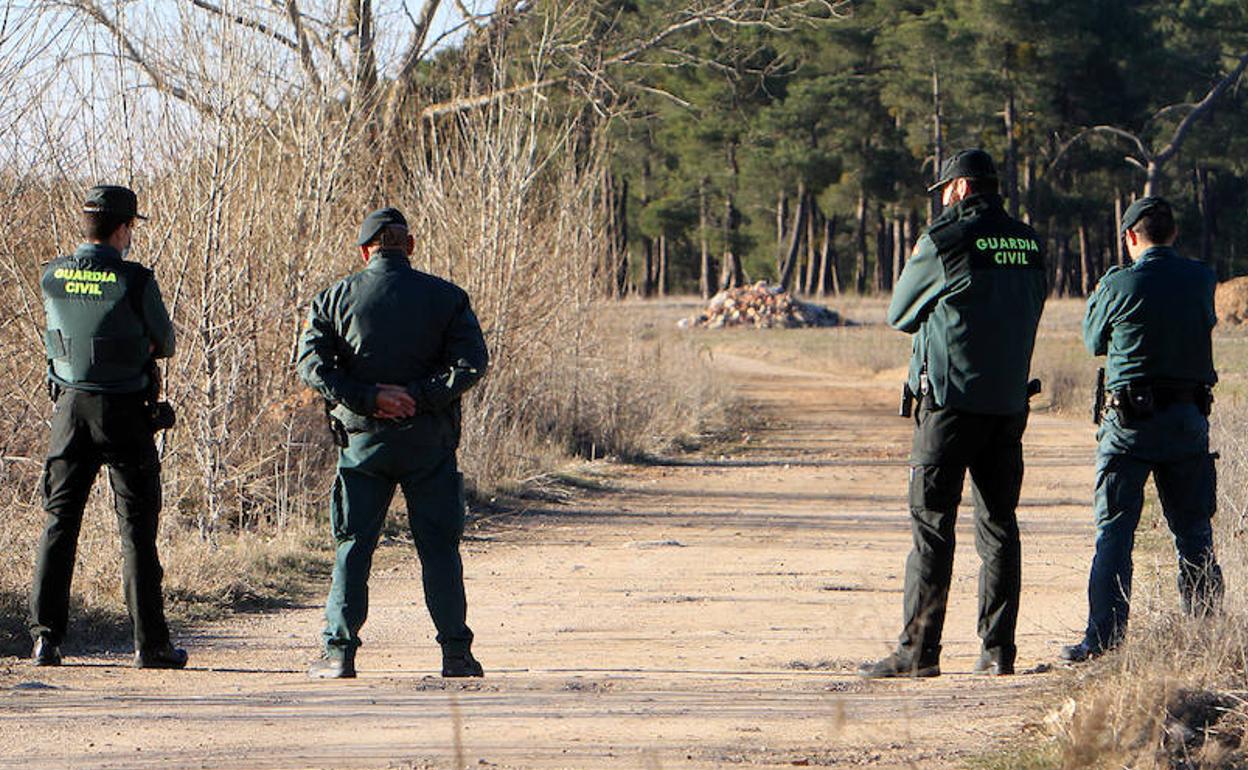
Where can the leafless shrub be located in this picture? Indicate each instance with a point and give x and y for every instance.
(256, 164)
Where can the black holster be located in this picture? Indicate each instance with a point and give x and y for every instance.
(160, 414)
(906, 407)
(337, 431)
(1098, 397)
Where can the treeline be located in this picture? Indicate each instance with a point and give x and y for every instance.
(801, 155)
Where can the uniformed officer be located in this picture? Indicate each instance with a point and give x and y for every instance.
(971, 294)
(106, 324)
(393, 349)
(1154, 322)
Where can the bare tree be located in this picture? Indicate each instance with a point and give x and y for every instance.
(1147, 157)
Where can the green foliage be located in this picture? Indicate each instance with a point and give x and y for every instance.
(845, 111)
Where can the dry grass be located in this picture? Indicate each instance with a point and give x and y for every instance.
(1174, 695)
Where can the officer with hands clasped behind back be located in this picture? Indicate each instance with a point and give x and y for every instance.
(393, 349)
(971, 294)
(1153, 321)
(106, 325)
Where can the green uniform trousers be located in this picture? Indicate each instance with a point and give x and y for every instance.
(369, 468)
(90, 430)
(948, 443)
(1173, 446)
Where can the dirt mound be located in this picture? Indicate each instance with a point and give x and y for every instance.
(1231, 301)
(763, 307)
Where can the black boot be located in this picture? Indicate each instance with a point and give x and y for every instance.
(330, 666)
(903, 665)
(1078, 653)
(45, 653)
(994, 663)
(167, 656)
(459, 665)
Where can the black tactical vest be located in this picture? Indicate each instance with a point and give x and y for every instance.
(96, 339)
(982, 333)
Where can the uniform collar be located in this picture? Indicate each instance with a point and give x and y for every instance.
(97, 251)
(389, 259)
(1157, 252)
(971, 205)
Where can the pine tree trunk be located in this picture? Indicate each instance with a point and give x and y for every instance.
(883, 252)
(704, 247)
(662, 276)
(812, 247)
(1152, 182)
(860, 264)
(782, 218)
(1011, 155)
(1085, 262)
(1029, 189)
(647, 248)
(829, 272)
(899, 247)
(1120, 251)
(1208, 219)
(795, 239)
(1062, 266)
(615, 205)
(647, 243)
(732, 274)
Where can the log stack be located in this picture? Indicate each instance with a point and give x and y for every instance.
(1231, 301)
(762, 307)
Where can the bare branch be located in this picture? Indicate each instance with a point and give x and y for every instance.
(733, 13)
(475, 102)
(469, 16)
(129, 51)
(364, 80)
(416, 45)
(304, 48)
(668, 95)
(1203, 106)
(243, 21)
(1112, 130)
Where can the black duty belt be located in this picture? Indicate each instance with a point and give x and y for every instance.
(1143, 399)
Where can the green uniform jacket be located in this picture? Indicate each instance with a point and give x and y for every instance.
(106, 321)
(391, 324)
(1154, 320)
(972, 293)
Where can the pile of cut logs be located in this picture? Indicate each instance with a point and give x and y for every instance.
(763, 307)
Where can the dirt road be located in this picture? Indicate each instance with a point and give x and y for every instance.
(706, 613)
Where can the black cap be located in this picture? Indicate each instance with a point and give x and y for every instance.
(112, 199)
(1139, 208)
(972, 164)
(378, 220)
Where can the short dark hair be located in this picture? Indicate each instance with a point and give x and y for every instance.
(982, 185)
(100, 225)
(1156, 226)
(390, 237)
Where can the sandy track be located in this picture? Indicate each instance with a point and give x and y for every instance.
(705, 613)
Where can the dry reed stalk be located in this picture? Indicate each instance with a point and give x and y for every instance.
(256, 179)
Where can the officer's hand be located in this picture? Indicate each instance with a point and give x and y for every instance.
(394, 403)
